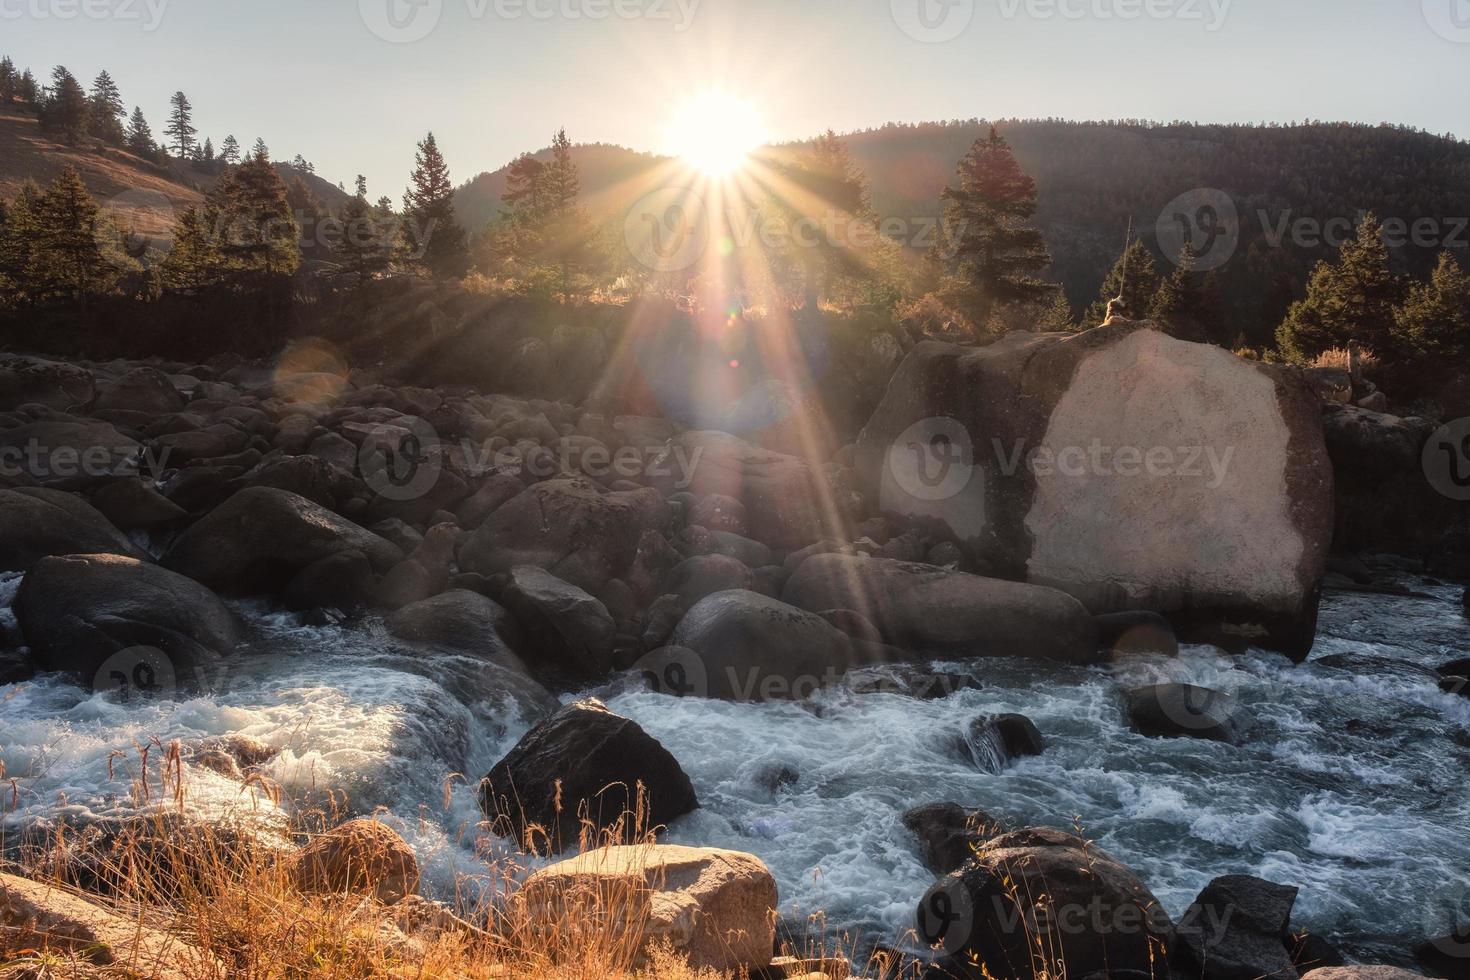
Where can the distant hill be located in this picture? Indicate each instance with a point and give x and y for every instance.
(1092, 177)
(28, 154)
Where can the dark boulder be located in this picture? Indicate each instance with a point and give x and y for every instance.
(1185, 711)
(994, 741)
(1237, 930)
(949, 834)
(561, 622)
(344, 581)
(36, 381)
(584, 761)
(1137, 632)
(147, 390)
(36, 522)
(694, 578)
(132, 503)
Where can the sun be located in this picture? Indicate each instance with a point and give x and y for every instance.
(715, 131)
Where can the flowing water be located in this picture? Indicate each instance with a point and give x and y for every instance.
(1350, 785)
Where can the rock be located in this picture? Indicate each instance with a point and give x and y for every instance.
(1361, 973)
(781, 494)
(35, 380)
(1136, 633)
(1333, 386)
(561, 622)
(496, 490)
(1310, 951)
(343, 581)
(922, 681)
(15, 667)
(360, 857)
(568, 527)
(1446, 956)
(36, 522)
(716, 908)
(853, 623)
(1099, 920)
(661, 620)
(78, 611)
(1238, 931)
(402, 535)
(1120, 464)
(71, 454)
(926, 609)
(1367, 664)
(1374, 401)
(694, 578)
(132, 503)
(262, 536)
(305, 476)
(583, 759)
(1184, 710)
(44, 917)
(949, 835)
(210, 442)
(750, 553)
(717, 512)
(993, 741)
(143, 389)
(460, 620)
(751, 647)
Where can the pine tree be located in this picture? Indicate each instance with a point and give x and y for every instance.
(561, 180)
(1058, 317)
(260, 151)
(69, 259)
(434, 236)
(826, 192)
(26, 90)
(8, 80)
(1351, 300)
(180, 129)
(192, 261)
(1434, 319)
(1187, 300)
(360, 187)
(208, 150)
(107, 110)
(229, 152)
(365, 246)
(65, 111)
(300, 163)
(22, 239)
(139, 138)
(987, 229)
(257, 234)
(1135, 277)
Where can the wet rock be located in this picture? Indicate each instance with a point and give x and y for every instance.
(1233, 537)
(262, 536)
(1368, 664)
(994, 741)
(922, 681)
(984, 918)
(716, 908)
(359, 857)
(1136, 633)
(460, 620)
(1185, 711)
(926, 609)
(561, 622)
(582, 760)
(78, 611)
(1237, 930)
(15, 667)
(343, 581)
(949, 834)
(36, 522)
(752, 647)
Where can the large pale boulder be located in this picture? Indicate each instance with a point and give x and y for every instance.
(583, 762)
(571, 528)
(259, 538)
(77, 611)
(1047, 889)
(715, 907)
(36, 522)
(1125, 466)
(38, 916)
(934, 610)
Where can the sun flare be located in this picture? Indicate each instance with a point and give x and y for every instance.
(715, 132)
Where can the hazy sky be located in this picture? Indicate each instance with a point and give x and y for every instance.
(495, 77)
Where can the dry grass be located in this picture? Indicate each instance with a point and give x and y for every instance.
(1341, 358)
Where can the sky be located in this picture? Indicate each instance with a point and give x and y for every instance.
(352, 85)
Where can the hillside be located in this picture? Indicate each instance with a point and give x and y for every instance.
(1093, 177)
(115, 175)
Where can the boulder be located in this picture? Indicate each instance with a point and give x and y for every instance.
(69, 454)
(1384, 502)
(343, 581)
(716, 908)
(570, 527)
(305, 476)
(1133, 469)
(132, 503)
(460, 620)
(261, 537)
(37, 381)
(496, 490)
(36, 522)
(750, 647)
(1047, 888)
(210, 442)
(78, 611)
(1446, 956)
(1237, 930)
(718, 512)
(994, 741)
(561, 622)
(44, 917)
(360, 857)
(934, 610)
(143, 389)
(1185, 711)
(583, 761)
(1136, 633)
(949, 834)
(694, 578)
(783, 497)
(1361, 973)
